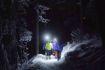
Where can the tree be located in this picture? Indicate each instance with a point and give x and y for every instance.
(40, 9)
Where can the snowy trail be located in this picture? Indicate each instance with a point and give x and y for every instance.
(39, 62)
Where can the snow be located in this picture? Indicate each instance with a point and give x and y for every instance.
(40, 62)
(42, 58)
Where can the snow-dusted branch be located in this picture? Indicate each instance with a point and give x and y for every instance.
(41, 10)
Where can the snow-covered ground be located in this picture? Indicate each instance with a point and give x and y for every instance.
(42, 58)
(40, 62)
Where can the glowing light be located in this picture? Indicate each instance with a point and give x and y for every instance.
(47, 37)
(55, 40)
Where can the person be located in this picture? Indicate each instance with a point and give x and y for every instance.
(56, 49)
(48, 49)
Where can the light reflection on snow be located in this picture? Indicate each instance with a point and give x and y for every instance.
(68, 48)
(53, 64)
(42, 58)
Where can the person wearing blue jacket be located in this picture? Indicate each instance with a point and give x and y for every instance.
(56, 49)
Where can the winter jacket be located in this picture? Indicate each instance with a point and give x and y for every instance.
(48, 46)
(56, 46)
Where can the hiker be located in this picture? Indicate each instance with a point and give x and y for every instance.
(48, 49)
